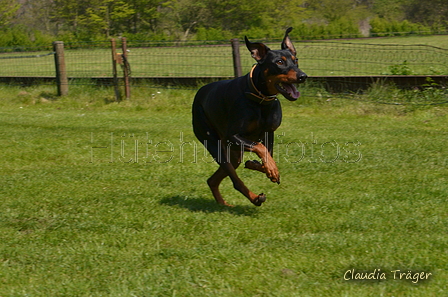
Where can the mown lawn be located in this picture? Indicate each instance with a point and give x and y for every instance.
(110, 200)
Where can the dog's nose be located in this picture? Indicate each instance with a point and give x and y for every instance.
(302, 77)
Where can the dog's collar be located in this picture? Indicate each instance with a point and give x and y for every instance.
(255, 94)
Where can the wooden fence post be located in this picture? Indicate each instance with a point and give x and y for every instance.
(114, 70)
(236, 57)
(61, 71)
(127, 88)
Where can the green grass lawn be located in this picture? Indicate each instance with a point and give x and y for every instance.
(111, 200)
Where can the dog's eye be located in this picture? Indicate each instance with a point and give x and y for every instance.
(279, 62)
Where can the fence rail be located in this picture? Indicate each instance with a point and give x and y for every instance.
(179, 62)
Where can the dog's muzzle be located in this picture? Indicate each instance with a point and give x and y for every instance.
(289, 90)
(301, 77)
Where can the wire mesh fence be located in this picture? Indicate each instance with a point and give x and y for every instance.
(89, 59)
(184, 61)
(319, 58)
(27, 64)
(356, 59)
(157, 59)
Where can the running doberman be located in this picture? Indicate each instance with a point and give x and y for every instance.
(233, 116)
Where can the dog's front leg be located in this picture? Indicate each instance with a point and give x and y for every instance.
(268, 166)
(255, 165)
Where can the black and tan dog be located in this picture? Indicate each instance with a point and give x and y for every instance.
(233, 116)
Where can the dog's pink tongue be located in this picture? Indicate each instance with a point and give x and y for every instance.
(292, 90)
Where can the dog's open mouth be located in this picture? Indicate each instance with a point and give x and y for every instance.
(288, 90)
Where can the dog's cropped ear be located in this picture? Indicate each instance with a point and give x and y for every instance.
(287, 44)
(258, 50)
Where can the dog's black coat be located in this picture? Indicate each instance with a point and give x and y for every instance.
(241, 114)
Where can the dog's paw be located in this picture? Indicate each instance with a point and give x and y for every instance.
(259, 200)
(276, 180)
(272, 172)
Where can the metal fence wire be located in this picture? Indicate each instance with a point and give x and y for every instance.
(27, 64)
(355, 59)
(199, 60)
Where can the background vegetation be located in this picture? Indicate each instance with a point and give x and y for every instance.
(26, 22)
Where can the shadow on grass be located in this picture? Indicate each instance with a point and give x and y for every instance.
(208, 205)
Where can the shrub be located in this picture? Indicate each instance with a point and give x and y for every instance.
(212, 34)
(401, 69)
(382, 27)
(14, 39)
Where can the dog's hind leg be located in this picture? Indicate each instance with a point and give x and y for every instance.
(227, 168)
(230, 168)
(214, 181)
(212, 142)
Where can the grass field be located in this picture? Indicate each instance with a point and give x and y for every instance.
(110, 200)
(425, 55)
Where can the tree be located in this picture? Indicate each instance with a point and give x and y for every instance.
(335, 10)
(391, 10)
(213, 19)
(66, 14)
(146, 15)
(427, 11)
(107, 17)
(8, 11)
(184, 15)
(35, 15)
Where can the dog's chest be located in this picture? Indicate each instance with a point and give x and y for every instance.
(271, 120)
(264, 120)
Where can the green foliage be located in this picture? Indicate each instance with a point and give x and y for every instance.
(401, 69)
(335, 10)
(389, 9)
(84, 20)
(382, 27)
(427, 11)
(14, 37)
(8, 10)
(134, 38)
(21, 39)
(41, 40)
(342, 28)
(428, 95)
(108, 16)
(212, 34)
